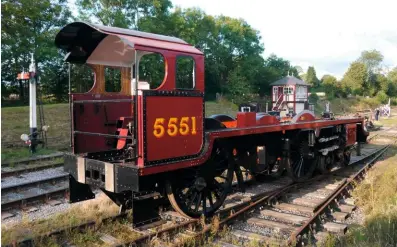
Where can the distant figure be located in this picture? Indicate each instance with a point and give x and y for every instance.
(327, 108)
(377, 111)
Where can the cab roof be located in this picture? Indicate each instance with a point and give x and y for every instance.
(80, 39)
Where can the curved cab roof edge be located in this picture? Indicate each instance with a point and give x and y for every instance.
(85, 37)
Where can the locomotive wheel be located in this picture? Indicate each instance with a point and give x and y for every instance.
(300, 165)
(276, 169)
(346, 157)
(325, 163)
(202, 191)
(239, 175)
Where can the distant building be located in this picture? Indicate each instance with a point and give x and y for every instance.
(290, 95)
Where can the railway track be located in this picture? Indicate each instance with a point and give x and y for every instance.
(290, 210)
(31, 182)
(26, 168)
(306, 213)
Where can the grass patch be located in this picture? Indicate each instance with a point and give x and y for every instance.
(221, 107)
(341, 106)
(387, 122)
(377, 196)
(14, 154)
(94, 210)
(15, 121)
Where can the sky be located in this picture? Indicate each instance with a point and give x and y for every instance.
(326, 34)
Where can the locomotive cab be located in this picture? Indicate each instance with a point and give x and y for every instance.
(117, 133)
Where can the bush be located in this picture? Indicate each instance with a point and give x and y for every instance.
(313, 98)
(382, 97)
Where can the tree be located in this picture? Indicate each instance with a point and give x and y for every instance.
(303, 76)
(30, 28)
(329, 83)
(274, 69)
(228, 43)
(239, 89)
(372, 59)
(392, 83)
(311, 77)
(298, 69)
(123, 13)
(355, 79)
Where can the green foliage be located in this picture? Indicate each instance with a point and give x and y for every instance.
(238, 88)
(313, 98)
(274, 69)
(303, 76)
(26, 28)
(311, 77)
(392, 85)
(119, 13)
(372, 59)
(152, 69)
(329, 84)
(355, 79)
(382, 97)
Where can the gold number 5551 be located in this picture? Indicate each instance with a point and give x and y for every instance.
(187, 126)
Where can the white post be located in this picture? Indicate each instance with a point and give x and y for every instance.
(32, 105)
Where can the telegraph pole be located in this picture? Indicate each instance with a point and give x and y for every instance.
(32, 105)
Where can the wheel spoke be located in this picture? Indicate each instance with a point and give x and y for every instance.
(300, 166)
(217, 195)
(218, 185)
(209, 195)
(191, 202)
(204, 202)
(240, 178)
(203, 191)
(198, 203)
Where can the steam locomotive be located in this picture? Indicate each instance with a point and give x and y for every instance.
(149, 142)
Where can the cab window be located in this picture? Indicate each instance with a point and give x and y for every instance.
(152, 69)
(185, 72)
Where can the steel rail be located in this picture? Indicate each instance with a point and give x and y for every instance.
(29, 169)
(21, 202)
(243, 208)
(324, 206)
(231, 211)
(34, 183)
(274, 194)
